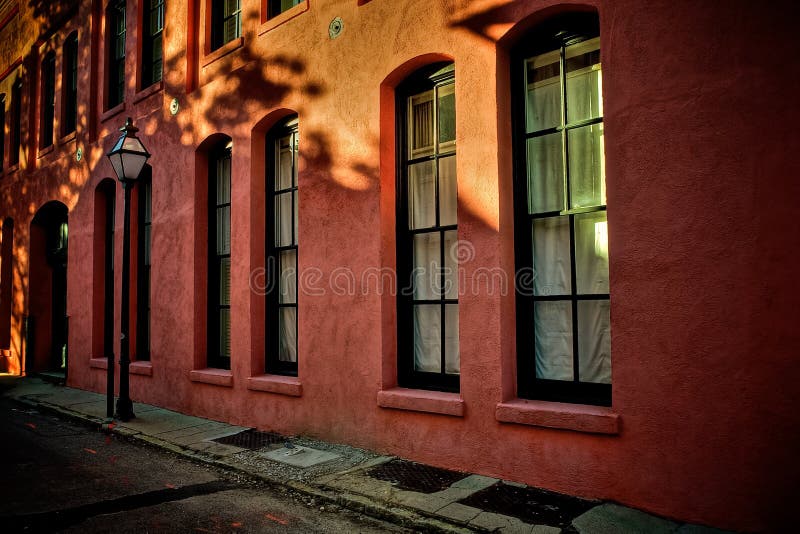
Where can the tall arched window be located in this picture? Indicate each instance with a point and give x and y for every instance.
(281, 246)
(6, 281)
(15, 129)
(219, 257)
(2, 131)
(152, 50)
(427, 311)
(563, 323)
(144, 219)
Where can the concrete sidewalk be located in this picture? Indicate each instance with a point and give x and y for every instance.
(357, 479)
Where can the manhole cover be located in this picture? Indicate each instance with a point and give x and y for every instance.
(251, 439)
(530, 505)
(415, 477)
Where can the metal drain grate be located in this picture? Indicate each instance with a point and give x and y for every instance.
(251, 439)
(415, 477)
(531, 505)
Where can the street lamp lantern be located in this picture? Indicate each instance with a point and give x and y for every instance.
(128, 157)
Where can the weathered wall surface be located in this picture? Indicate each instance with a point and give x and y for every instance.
(699, 132)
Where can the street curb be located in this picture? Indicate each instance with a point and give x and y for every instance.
(398, 515)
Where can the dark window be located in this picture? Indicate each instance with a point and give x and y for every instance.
(152, 59)
(109, 197)
(115, 29)
(427, 308)
(561, 237)
(48, 99)
(276, 7)
(281, 246)
(226, 22)
(70, 81)
(219, 264)
(15, 143)
(144, 218)
(2, 130)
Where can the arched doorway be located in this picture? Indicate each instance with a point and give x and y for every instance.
(47, 322)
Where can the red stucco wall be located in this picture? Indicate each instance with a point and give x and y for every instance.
(702, 186)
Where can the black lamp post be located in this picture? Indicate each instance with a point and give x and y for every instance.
(128, 158)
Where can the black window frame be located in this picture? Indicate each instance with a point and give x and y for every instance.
(555, 34)
(217, 360)
(116, 30)
(274, 7)
(273, 364)
(219, 17)
(425, 79)
(48, 100)
(144, 222)
(152, 42)
(15, 143)
(69, 80)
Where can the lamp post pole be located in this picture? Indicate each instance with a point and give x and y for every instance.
(124, 404)
(128, 157)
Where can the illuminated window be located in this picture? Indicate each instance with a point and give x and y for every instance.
(563, 322)
(282, 211)
(219, 268)
(427, 311)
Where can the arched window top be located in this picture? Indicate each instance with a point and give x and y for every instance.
(215, 142)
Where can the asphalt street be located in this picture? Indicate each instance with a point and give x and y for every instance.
(58, 476)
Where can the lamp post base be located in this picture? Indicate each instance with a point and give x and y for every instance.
(124, 409)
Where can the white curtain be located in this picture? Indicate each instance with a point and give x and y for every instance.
(594, 341)
(551, 256)
(553, 340)
(287, 346)
(427, 338)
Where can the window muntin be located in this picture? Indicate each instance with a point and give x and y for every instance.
(219, 269)
(226, 22)
(282, 212)
(563, 317)
(115, 28)
(15, 143)
(276, 7)
(428, 347)
(70, 83)
(152, 50)
(144, 219)
(48, 99)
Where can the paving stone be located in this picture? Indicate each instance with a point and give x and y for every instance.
(366, 486)
(492, 521)
(458, 512)
(615, 519)
(300, 456)
(453, 494)
(219, 449)
(545, 529)
(94, 408)
(475, 482)
(420, 501)
(189, 430)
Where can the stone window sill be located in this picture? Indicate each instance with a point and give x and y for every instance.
(420, 400)
(46, 150)
(215, 377)
(143, 368)
(98, 363)
(577, 417)
(281, 385)
(222, 51)
(113, 112)
(68, 138)
(148, 91)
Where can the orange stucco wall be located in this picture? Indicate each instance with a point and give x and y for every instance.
(699, 128)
